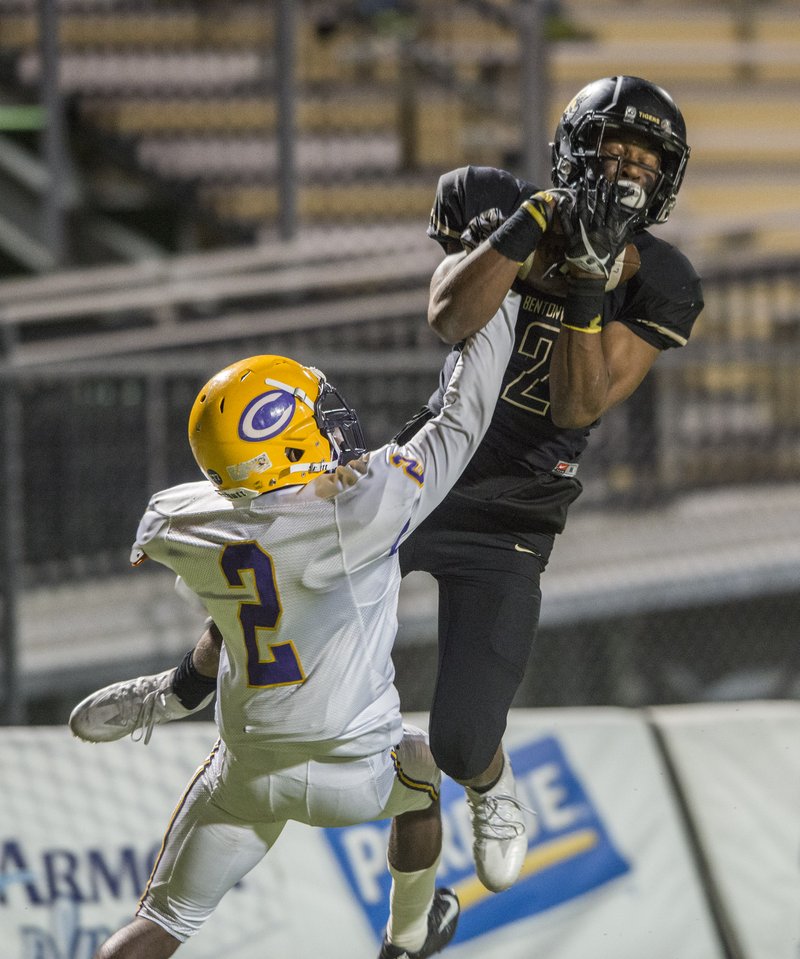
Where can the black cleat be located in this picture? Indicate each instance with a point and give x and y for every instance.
(442, 922)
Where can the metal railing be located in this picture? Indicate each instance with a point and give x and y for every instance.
(99, 369)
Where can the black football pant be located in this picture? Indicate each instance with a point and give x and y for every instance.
(489, 601)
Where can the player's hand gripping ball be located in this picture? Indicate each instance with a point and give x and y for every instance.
(481, 227)
(546, 268)
(597, 229)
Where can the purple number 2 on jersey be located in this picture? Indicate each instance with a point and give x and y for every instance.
(283, 667)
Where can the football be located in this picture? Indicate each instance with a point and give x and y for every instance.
(545, 269)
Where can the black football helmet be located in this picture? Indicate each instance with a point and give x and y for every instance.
(622, 104)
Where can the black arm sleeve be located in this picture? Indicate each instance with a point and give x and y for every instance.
(464, 193)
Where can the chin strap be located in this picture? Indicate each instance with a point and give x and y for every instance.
(321, 467)
(294, 391)
(302, 397)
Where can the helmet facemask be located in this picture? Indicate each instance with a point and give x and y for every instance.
(339, 423)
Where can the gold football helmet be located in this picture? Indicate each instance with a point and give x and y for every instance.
(268, 422)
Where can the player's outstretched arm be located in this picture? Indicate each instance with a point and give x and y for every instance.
(404, 483)
(468, 288)
(446, 443)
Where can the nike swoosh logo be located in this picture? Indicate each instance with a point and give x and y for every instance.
(449, 916)
(521, 549)
(591, 261)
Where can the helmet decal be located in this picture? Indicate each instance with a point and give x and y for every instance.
(240, 471)
(266, 416)
(575, 103)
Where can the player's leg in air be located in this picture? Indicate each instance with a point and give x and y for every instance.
(422, 918)
(474, 690)
(217, 830)
(489, 602)
(133, 707)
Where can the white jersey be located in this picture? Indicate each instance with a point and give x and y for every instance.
(304, 590)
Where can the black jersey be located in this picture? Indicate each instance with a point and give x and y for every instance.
(659, 303)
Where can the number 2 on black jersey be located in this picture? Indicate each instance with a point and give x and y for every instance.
(283, 667)
(537, 342)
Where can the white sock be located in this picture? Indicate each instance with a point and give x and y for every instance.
(410, 902)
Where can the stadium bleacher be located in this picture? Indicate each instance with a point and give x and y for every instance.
(188, 93)
(180, 98)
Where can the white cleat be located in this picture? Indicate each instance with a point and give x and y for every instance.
(500, 841)
(131, 708)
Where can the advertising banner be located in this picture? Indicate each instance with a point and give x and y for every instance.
(608, 872)
(739, 769)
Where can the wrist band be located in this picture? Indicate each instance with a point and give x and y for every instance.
(190, 686)
(594, 326)
(518, 236)
(583, 310)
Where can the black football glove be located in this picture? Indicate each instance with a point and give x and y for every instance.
(597, 228)
(481, 227)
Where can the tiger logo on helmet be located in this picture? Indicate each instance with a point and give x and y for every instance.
(267, 422)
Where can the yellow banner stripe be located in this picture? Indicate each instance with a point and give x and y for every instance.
(472, 891)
